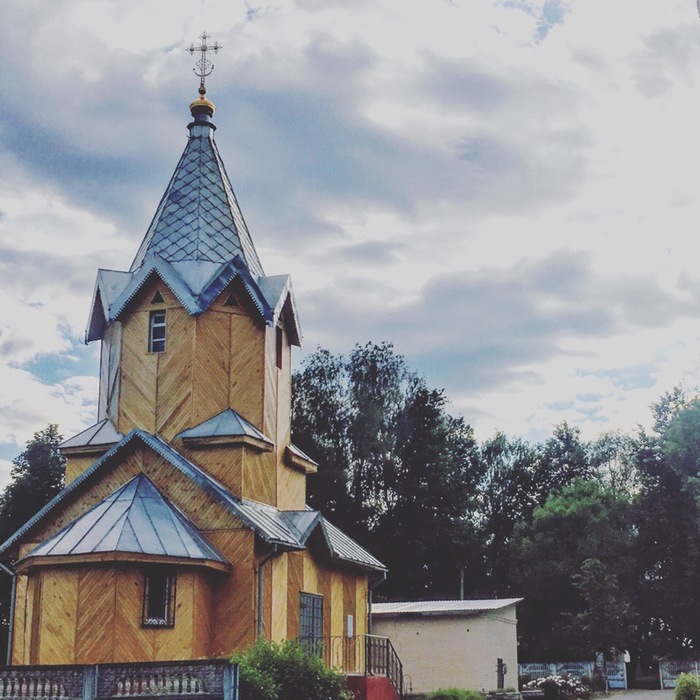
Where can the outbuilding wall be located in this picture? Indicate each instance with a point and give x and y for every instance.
(447, 650)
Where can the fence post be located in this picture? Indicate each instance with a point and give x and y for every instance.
(90, 682)
(230, 682)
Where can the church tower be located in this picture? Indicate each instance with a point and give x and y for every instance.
(183, 531)
(196, 339)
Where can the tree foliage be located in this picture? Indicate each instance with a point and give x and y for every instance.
(37, 475)
(398, 471)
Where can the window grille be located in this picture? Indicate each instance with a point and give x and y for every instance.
(311, 622)
(159, 598)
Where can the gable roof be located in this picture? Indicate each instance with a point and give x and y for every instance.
(136, 519)
(270, 524)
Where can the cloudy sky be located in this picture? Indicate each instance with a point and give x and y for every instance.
(508, 190)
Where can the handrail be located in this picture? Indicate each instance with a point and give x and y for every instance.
(367, 654)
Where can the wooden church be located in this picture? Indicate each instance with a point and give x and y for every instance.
(183, 530)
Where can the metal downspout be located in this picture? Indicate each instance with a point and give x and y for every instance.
(10, 633)
(273, 552)
(370, 590)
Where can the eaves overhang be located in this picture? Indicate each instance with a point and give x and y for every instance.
(111, 300)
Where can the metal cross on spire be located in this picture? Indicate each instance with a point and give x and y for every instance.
(204, 67)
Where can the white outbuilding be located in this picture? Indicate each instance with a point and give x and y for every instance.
(468, 644)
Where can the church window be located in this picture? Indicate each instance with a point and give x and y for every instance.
(159, 598)
(279, 344)
(156, 332)
(311, 622)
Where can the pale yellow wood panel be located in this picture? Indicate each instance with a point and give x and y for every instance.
(336, 604)
(176, 642)
(267, 601)
(361, 600)
(349, 593)
(137, 401)
(271, 371)
(77, 464)
(224, 463)
(205, 511)
(211, 369)
(280, 575)
(291, 488)
(295, 567)
(19, 630)
(59, 605)
(132, 642)
(33, 636)
(311, 575)
(246, 385)
(284, 396)
(259, 472)
(234, 597)
(324, 588)
(97, 589)
(174, 398)
(202, 617)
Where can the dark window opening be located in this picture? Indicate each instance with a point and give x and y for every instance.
(278, 347)
(157, 298)
(156, 332)
(311, 622)
(159, 599)
(231, 300)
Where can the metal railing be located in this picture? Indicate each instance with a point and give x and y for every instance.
(366, 654)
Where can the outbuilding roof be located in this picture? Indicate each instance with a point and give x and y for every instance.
(443, 607)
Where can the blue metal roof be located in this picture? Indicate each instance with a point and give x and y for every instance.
(197, 243)
(289, 529)
(198, 218)
(102, 433)
(135, 519)
(228, 423)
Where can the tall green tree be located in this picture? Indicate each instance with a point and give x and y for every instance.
(509, 491)
(583, 530)
(668, 520)
(398, 472)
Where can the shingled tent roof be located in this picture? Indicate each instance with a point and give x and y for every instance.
(135, 519)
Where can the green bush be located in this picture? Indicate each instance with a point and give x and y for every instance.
(455, 694)
(687, 687)
(286, 671)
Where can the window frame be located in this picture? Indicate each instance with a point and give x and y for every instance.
(166, 580)
(311, 625)
(157, 320)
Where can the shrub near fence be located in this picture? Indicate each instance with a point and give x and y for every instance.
(617, 672)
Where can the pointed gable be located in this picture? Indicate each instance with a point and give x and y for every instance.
(197, 243)
(135, 520)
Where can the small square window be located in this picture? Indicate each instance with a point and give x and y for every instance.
(159, 598)
(156, 332)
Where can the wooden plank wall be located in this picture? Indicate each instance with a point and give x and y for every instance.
(204, 511)
(87, 615)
